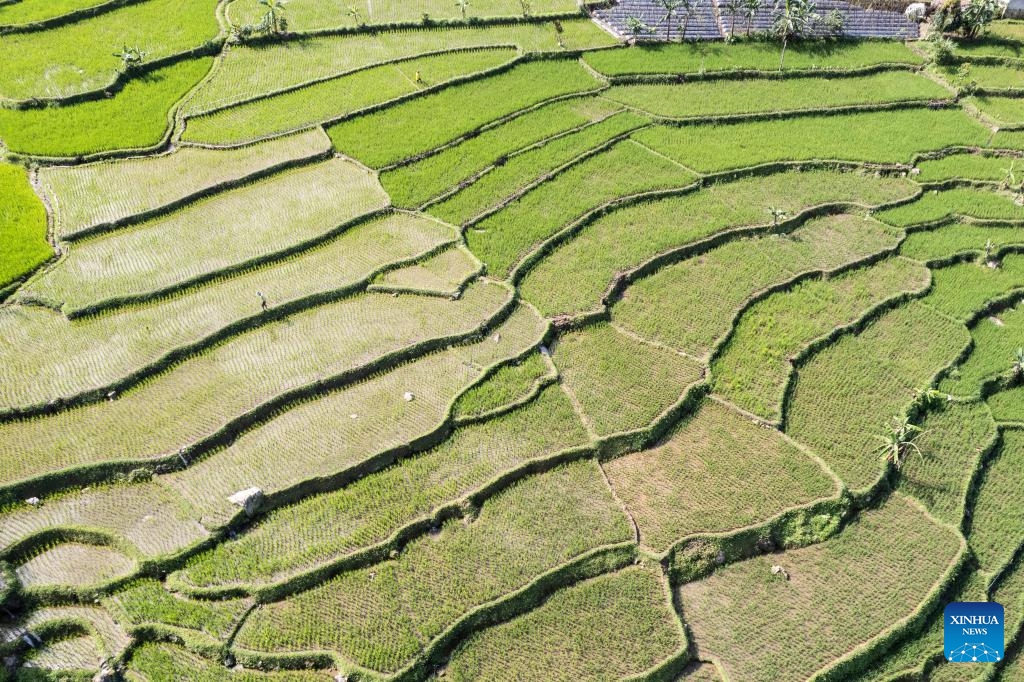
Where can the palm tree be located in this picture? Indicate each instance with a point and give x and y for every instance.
(274, 21)
(463, 5)
(670, 7)
(989, 247)
(898, 441)
(750, 10)
(777, 214)
(732, 8)
(796, 17)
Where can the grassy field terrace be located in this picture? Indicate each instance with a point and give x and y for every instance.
(506, 340)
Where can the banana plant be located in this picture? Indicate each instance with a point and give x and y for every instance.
(898, 442)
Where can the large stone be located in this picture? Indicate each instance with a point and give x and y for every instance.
(249, 500)
(916, 11)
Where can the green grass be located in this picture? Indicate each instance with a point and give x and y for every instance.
(1008, 139)
(368, 511)
(735, 97)
(91, 352)
(990, 76)
(593, 258)
(22, 226)
(241, 72)
(196, 397)
(306, 15)
(205, 237)
(443, 274)
(1010, 591)
(620, 383)
(879, 137)
(146, 601)
(381, 616)
(690, 305)
(73, 657)
(110, 191)
(341, 96)
(384, 419)
(602, 629)
(425, 490)
(136, 117)
(73, 564)
(754, 366)
(22, 12)
(504, 238)
(700, 672)
(996, 340)
(1008, 111)
(716, 472)
(163, 661)
(109, 639)
(961, 290)
(508, 384)
(967, 166)
(877, 571)
(940, 205)
(418, 182)
(413, 127)
(997, 515)
(847, 393)
(959, 238)
(1008, 406)
(146, 517)
(713, 57)
(954, 436)
(517, 172)
(77, 58)
(916, 652)
(1003, 39)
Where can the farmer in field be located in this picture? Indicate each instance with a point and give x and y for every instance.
(263, 300)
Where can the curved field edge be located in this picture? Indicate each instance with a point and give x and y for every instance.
(23, 228)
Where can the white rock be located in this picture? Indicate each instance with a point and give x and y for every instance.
(409, 397)
(34, 501)
(915, 11)
(249, 499)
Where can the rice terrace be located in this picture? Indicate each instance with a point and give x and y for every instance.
(510, 340)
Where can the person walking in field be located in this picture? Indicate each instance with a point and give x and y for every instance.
(263, 300)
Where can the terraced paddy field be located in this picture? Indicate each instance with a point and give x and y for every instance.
(425, 340)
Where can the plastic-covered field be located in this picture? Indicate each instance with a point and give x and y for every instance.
(713, 20)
